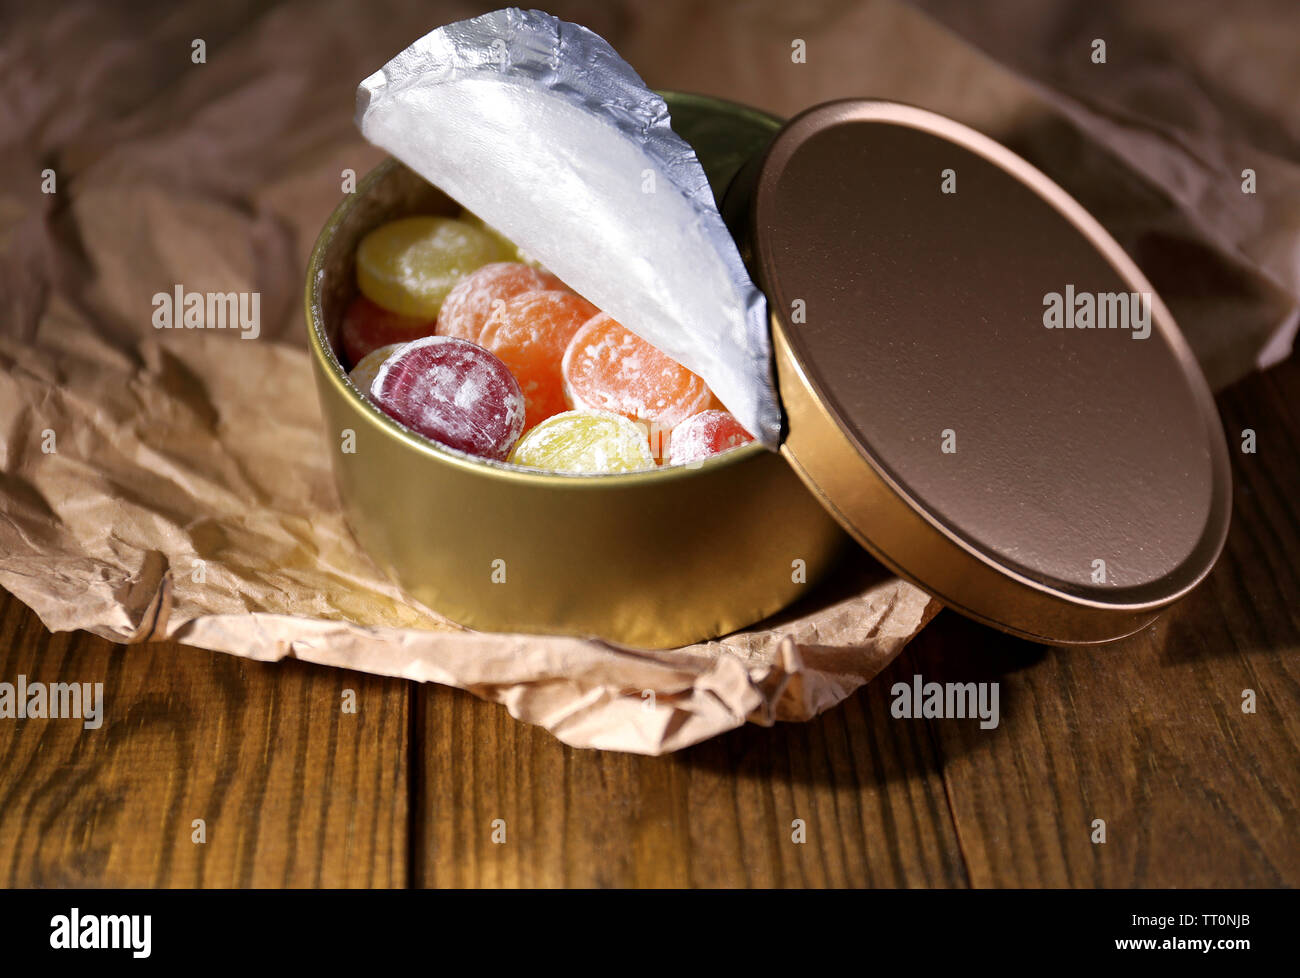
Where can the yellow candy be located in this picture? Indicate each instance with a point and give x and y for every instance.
(585, 442)
(409, 266)
(364, 373)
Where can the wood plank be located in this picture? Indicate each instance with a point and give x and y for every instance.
(294, 792)
(719, 814)
(1149, 733)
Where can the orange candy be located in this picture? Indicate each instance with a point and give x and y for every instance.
(466, 309)
(529, 333)
(609, 368)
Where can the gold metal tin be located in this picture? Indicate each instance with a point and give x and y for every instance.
(655, 560)
(919, 316)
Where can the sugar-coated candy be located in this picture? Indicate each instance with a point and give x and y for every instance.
(530, 333)
(367, 327)
(706, 434)
(469, 304)
(609, 368)
(367, 368)
(586, 443)
(408, 266)
(453, 392)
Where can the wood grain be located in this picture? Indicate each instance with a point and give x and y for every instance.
(294, 792)
(721, 813)
(1147, 734)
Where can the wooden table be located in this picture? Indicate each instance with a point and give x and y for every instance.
(1147, 734)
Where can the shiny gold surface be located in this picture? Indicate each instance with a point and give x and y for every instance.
(656, 559)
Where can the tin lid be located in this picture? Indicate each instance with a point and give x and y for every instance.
(978, 383)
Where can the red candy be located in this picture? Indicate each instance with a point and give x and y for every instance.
(367, 327)
(467, 307)
(706, 434)
(453, 392)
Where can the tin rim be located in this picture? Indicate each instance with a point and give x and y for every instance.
(323, 351)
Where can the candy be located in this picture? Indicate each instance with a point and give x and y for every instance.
(608, 368)
(469, 304)
(706, 434)
(586, 443)
(453, 392)
(367, 368)
(409, 266)
(530, 333)
(367, 327)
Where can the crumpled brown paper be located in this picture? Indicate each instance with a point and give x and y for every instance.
(175, 483)
(187, 495)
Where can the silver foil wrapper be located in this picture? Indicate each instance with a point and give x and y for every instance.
(542, 130)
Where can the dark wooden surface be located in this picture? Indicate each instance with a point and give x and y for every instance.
(1147, 734)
